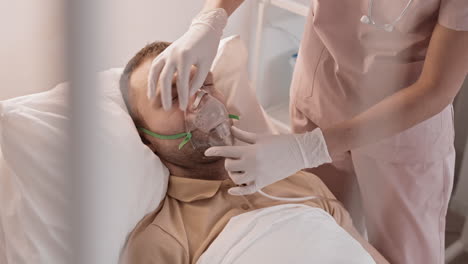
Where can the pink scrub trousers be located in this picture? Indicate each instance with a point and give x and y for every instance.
(344, 67)
(402, 190)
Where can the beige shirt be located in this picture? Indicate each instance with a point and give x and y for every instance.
(194, 212)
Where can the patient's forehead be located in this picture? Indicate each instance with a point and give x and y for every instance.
(139, 78)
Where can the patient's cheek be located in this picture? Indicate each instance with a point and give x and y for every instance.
(165, 148)
(167, 123)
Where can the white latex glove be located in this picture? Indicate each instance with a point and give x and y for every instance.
(198, 46)
(267, 159)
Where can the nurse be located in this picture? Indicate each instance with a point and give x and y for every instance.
(371, 102)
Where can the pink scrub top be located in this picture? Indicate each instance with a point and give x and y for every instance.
(344, 66)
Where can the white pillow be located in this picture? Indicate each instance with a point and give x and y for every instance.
(4, 175)
(34, 139)
(33, 136)
(230, 74)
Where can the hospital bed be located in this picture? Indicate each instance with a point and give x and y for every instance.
(34, 190)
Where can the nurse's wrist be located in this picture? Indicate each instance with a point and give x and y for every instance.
(228, 5)
(215, 19)
(336, 142)
(312, 149)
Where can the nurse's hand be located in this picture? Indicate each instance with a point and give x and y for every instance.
(198, 47)
(267, 159)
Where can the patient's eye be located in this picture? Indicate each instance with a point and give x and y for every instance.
(207, 87)
(174, 92)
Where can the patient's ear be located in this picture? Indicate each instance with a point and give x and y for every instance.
(146, 141)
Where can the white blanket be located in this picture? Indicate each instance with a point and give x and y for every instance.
(285, 234)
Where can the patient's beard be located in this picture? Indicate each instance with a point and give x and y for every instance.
(192, 163)
(212, 171)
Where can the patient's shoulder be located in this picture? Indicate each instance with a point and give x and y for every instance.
(154, 245)
(312, 183)
(170, 219)
(157, 238)
(310, 177)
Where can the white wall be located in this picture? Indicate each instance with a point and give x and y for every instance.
(282, 33)
(460, 199)
(33, 41)
(461, 125)
(31, 46)
(131, 24)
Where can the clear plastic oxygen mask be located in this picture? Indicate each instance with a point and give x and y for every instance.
(209, 122)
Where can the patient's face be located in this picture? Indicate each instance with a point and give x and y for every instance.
(168, 122)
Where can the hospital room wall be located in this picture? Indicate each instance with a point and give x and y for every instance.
(33, 39)
(461, 126)
(281, 36)
(32, 46)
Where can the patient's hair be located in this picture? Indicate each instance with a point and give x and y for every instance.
(150, 51)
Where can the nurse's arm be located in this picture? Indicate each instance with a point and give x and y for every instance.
(445, 68)
(229, 5)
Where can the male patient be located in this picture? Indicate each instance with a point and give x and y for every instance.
(197, 205)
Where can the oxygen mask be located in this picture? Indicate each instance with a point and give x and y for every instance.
(207, 124)
(208, 120)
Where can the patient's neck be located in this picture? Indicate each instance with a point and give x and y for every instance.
(213, 171)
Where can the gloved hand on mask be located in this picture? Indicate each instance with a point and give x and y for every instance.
(267, 159)
(197, 47)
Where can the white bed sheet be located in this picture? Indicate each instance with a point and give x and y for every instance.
(290, 233)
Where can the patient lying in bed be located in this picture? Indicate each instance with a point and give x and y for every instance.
(197, 206)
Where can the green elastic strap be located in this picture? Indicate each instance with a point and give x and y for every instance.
(187, 136)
